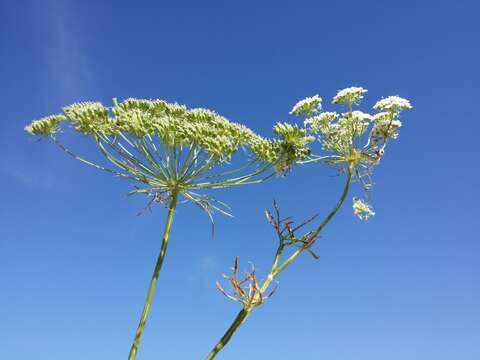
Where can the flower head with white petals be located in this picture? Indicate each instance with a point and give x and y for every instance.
(393, 104)
(361, 116)
(349, 95)
(307, 106)
(323, 118)
(362, 209)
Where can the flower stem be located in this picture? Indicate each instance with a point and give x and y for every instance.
(339, 203)
(239, 320)
(276, 270)
(151, 288)
(317, 231)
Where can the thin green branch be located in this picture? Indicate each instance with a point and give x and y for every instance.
(239, 320)
(276, 269)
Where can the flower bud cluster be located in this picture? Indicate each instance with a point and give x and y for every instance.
(176, 126)
(45, 126)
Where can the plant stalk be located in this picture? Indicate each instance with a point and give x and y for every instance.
(275, 270)
(153, 282)
(239, 320)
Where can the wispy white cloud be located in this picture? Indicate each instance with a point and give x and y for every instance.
(65, 50)
(66, 71)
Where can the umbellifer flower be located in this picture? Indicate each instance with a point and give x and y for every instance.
(307, 106)
(362, 209)
(349, 95)
(393, 104)
(166, 145)
(45, 126)
(320, 120)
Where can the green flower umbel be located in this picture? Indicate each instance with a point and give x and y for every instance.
(168, 147)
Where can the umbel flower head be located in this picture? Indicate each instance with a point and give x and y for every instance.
(170, 148)
(393, 104)
(354, 141)
(362, 209)
(307, 106)
(349, 95)
(341, 134)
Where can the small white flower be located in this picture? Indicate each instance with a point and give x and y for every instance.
(361, 116)
(349, 95)
(323, 118)
(393, 104)
(307, 106)
(362, 209)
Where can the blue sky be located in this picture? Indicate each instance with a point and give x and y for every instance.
(75, 260)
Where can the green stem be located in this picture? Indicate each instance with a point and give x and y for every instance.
(239, 320)
(156, 273)
(322, 225)
(275, 270)
(339, 203)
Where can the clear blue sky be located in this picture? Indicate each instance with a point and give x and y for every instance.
(74, 258)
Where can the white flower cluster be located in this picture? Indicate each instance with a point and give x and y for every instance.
(362, 209)
(349, 95)
(307, 106)
(386, 125)
(393, 104)
(359, 122)
(340, 134)
(361, 116)
(320, 120)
